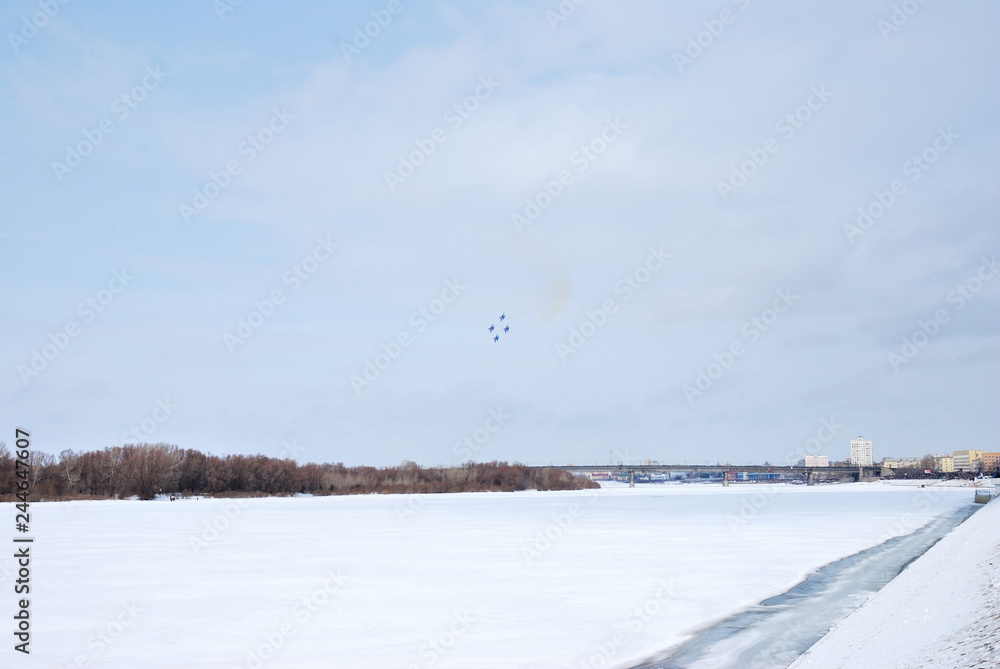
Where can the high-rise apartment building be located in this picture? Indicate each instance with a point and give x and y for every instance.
(861, 452)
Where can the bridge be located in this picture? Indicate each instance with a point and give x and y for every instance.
(728, 472)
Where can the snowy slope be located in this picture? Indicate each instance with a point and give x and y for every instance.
(513, 580)
(942, 611)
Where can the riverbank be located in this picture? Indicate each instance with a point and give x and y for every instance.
(942, 611)
(774, 633)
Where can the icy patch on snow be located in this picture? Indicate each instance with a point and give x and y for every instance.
(942, 611)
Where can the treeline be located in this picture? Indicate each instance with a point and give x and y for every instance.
(145, 470)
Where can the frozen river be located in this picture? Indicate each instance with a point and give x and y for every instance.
(562, 579)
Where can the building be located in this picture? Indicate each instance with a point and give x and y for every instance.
(991, 463)
(756, 476)
(944, 464)
(901, 463)
(968, 461)
(861, 452)
(817, 461)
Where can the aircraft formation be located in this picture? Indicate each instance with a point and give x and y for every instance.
(506, 328)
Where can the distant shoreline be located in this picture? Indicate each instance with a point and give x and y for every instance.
(144, 471)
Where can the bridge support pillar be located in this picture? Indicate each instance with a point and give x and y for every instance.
(725, 479)
(631, 479)
(809, 478)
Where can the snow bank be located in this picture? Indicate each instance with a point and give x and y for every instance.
(942, 611)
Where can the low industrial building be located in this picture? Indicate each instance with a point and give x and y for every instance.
(901, 463)
(817, 461)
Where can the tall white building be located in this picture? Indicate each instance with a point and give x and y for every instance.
(861, 452)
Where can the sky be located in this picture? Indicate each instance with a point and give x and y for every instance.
(718, 231)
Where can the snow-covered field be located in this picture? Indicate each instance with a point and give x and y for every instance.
(546, 580)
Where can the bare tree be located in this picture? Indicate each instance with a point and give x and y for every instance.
(6, 471)
(114, 470)
(38, 462)
(155, 467)
(69, 468)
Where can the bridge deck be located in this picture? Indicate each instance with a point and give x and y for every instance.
(750, 469)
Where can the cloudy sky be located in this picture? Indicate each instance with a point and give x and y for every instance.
(717, 230)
